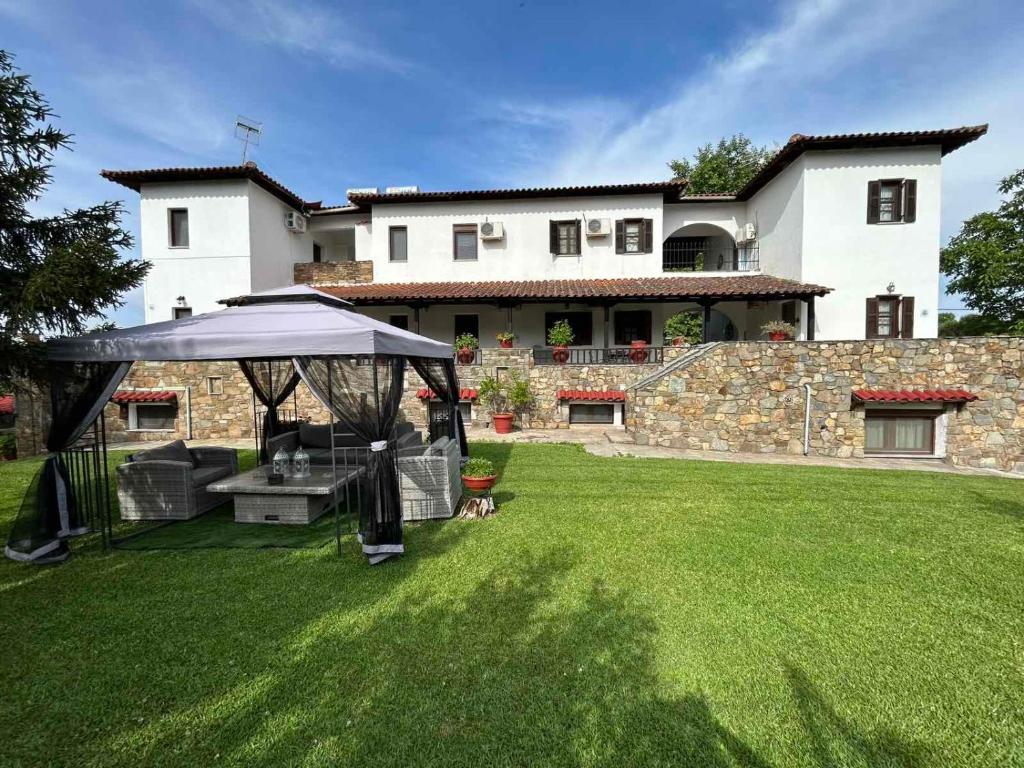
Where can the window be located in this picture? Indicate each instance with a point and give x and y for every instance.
(634, 325)
(318, 253)
(582, 324)
(789, 313)
(177, 313)
(890, 317)
(398, 244)
(894, 431)
(399, 321)
(565, 238)
(177, 225)
(634, 236)
(591, 413)
(151, 416)
(892, 201)
(215, 385)
(466, 409)
(467, 324)
(464, 242)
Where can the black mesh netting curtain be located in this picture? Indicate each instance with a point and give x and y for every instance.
(364, 394)
(439, 375)
(272, 382)
(50, 513)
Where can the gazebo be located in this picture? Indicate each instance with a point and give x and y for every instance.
(352, 364)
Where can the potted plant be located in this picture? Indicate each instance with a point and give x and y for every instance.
(638, 351)
(684, 328)
(504, 398)
(560, 336)
(779, 331)
(466, 346)
(505, 339)
(478, 474)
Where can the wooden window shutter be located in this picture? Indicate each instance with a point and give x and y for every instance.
(907, 317)
(553, 232)
(579, 234)
(620, 236)
(897, 201)
(871, 328)
(648, 236)
(874, 197)
(910, 200)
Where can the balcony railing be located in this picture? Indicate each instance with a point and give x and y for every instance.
(610, 356)
(708, 254)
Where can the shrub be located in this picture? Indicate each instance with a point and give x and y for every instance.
(505, 336)
(8, 446)
(687, 325)
(509, 395)
(560, 334)
(777, 326)
(466, 341)
(478, 468)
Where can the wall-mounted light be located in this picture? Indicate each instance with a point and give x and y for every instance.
(181, 301)
(891, 287)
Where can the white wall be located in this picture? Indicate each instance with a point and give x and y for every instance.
(274, 249)
(777, 210)
(216, 262)
(842, 251)
(524, 253)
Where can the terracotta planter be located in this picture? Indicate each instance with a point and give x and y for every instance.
(479, 483)
(503, 422)
(778, 336)
(506, 343)
(638, 352)
(560, 354)
(466, 356)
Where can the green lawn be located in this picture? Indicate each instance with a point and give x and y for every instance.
(616, 612)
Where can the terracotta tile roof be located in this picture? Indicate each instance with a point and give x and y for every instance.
(6, 405)
(604, 396)
(913, 396)
(740, 286)
(428, 394)
(948, 139)
(670, 189)
(135, 179)
(143, 396)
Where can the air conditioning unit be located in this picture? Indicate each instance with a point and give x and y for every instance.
(411, 189)
(295, 222)
(746, 233)
(492, 230)
(598, 227)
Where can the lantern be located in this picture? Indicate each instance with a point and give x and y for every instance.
(300, 463)
(281, 462)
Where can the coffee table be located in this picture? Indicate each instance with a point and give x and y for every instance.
(297, 501)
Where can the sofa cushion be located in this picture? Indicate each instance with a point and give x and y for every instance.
(205, 475)
(315, 435)
(176, 451)
(437, 447)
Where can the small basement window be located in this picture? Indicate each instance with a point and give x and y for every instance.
(592, 413)
(215, 385)
(152, 416)
(910, 432)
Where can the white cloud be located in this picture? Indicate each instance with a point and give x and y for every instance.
(304, 28)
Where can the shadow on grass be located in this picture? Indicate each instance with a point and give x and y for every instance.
(1011, 507)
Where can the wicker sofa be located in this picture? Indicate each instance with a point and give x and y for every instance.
(431, 481)
(169, 483)
(315, 440)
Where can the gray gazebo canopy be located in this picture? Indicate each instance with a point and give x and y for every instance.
(283, 323)
(353, 364)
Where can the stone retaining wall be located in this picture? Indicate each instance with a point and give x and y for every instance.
(749, 397)
(332, 272)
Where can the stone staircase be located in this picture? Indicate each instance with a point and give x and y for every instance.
(692, 355)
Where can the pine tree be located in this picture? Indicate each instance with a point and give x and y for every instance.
(59, 273)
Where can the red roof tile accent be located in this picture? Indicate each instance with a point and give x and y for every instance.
(948, 139)
(428, 394)
(913, 396)
(140, 396)
(604, 396)
(670, 189)
(6, 405)
(135, 179)
(741, 286)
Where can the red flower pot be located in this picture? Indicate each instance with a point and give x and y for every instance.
(560, 354)
(506, 343)
(466, 356)
(503, 422)
(778, 336)
(479, 483)
(638, 352)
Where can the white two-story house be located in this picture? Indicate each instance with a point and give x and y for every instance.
(838, 235)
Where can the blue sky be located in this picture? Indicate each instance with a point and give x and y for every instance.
(518, 92)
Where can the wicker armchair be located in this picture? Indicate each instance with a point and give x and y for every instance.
(167, 484)
(432, 481)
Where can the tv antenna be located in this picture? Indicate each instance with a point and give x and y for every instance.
(248, 132)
